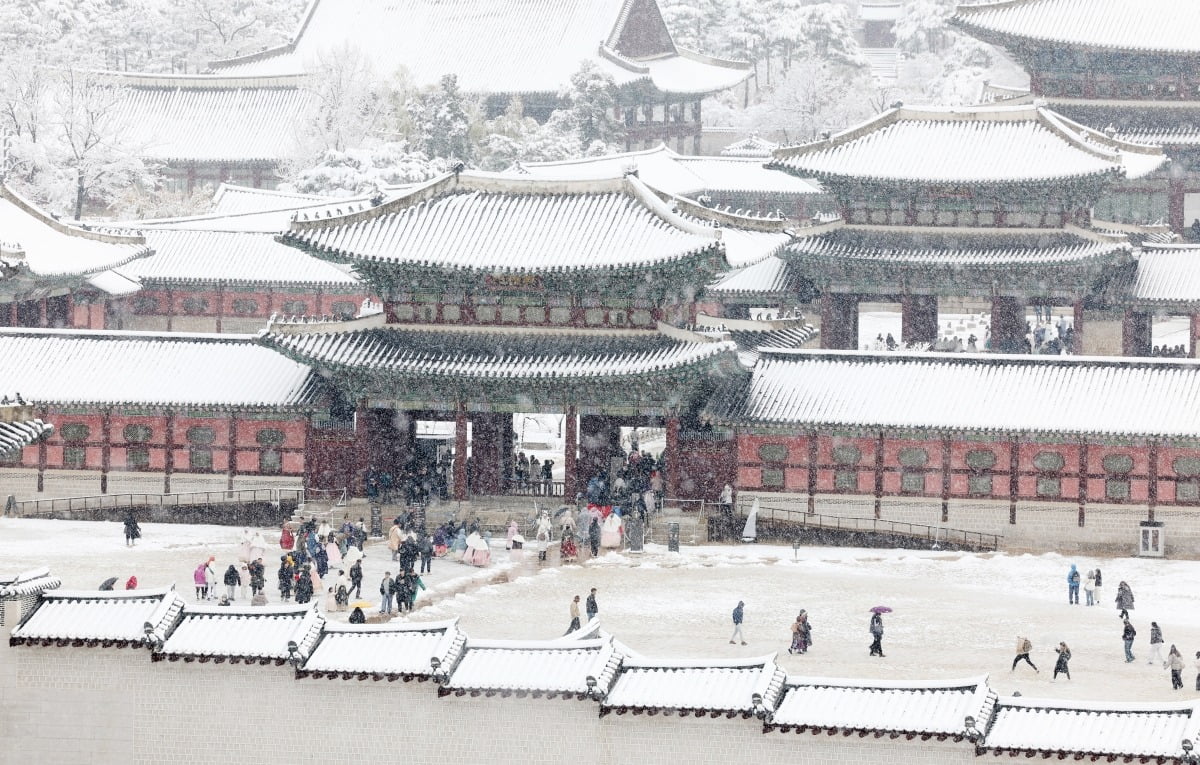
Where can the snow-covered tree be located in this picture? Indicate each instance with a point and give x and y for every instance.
(592, 96)
(347, 101)
(815, 96)
(442, 118)
(361, 171)
(922, 26)
(695, 24)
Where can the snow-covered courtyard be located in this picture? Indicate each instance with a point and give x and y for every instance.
(955, 614)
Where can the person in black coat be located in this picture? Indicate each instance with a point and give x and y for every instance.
(426, 550)
(590, 605)
(357, 616)
(400, 586)
(258, 576)
(594, 537)
(286, 577)
(304, 586)
(132, 530)
(408, 554)
(233, 580)
(356, 575)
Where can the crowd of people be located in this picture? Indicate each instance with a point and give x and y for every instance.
(417, 483)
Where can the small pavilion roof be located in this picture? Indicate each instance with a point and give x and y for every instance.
(32, 582)
(94, 616)
(551, 667)
(393, 650)
(895, 707)
(734, 686)
(512, 224)
(194, 257)
(430, 353)
(234, 199)
(956, 392)
(57, 367)
(1160, 26)
(208, 119)
(1108, 729)
(35, 241)
(752, 145)
(501, 47)
(981, 145)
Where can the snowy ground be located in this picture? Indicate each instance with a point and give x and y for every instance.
(956, 615)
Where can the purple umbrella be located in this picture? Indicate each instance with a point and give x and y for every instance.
(881, 610)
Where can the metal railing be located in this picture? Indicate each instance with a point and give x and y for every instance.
(800, 518)
(34, 507)
(530, 487)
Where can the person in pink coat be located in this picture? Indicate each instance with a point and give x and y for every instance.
(200, 579)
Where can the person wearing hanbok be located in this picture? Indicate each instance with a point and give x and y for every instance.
(568, 550)
(333, 551)
(512, 532)
(440, 543)
(258, 546)
(477, 552)
(459, 546)
(244, 546)
(612, 531)
(286, 540)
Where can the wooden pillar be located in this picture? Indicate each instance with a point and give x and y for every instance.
(1136, 337)
(1077, 327)
(570, 454)
(43, 321)
(487, 471)
(1175, 210)
(919, 319)
(1194, 338)
(460, 451)
(672, 456)
(839, 321)
(1152, 481)
(1008, 325)
(44, 414)
(231, 468)
(170, 308)
(813, 456)
(12, 314)
(945, 479)
(1014, 479)
(169, 452)
(362, 446)
(1083, 472)
(879, 475)
(105, 448)
(220, 304)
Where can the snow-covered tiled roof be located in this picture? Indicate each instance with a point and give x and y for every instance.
(983, 144)
(753, 145)
(500, 47)
(489, 355)
(513, 223)
(18, 434)
(748, 686)
(866, 705)
(773, 275)
(50, 248)
(733, 175)
(245, 632)
(110, 367)
(1166, 274)
(1080, 728)
(391, 650)
(558, 667)
(118, 617)
(26, 583)
(1166, 26)
(233, 199)
(114, 283)
(206, 119)
(1172, 136)
(1078, 395)
(232, 258)
(1002, 251)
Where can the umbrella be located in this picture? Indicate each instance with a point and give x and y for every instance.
(108, 583)
(881, 610)
(561, 510)
(362, 604)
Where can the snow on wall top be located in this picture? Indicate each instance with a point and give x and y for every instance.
(232, 257)
(28, 583)
(21, 433)
(979, 393)
(503, 47)
(1138, 730)
(512, 224)
(249, 632)
(988, 144)
(547, 667)
(864, 705)
(50, 248)
(747, 686)
(1166, 26)
(119, 616)
(385, 649)
(105, 367)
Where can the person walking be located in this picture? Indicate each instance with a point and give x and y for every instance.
(876, 630)
(258, 576)
(1128, 633)
(426, 550)
(232, 581)
(1156, 645)
(592, 608)
(801, 633)
(1099, 586)
(200, 578)
(1024, 646)
(737, 624)
(1089, 587)
(356, 576)
(385, 593)
(1197, 665)
(594, 537)
(210, 577)
(1124, 599)
(575, 623)
(132, 530)
(286, 576)
(400, 591)
(1073, 585)
(414, 584)
(1175, 664)
(1064, 656)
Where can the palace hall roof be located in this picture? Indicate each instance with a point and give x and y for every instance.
(772, 276)
(500, 47)
(86, 367)
(753, 145)
(34, 242)
(476, 355)
(196, 257)
(967, 392)
(234, 199)
(513, 224)
(206, 119)
(1165, 275)
(1166, 26)
(968, 145)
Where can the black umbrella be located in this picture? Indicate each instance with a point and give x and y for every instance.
(108, 583)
